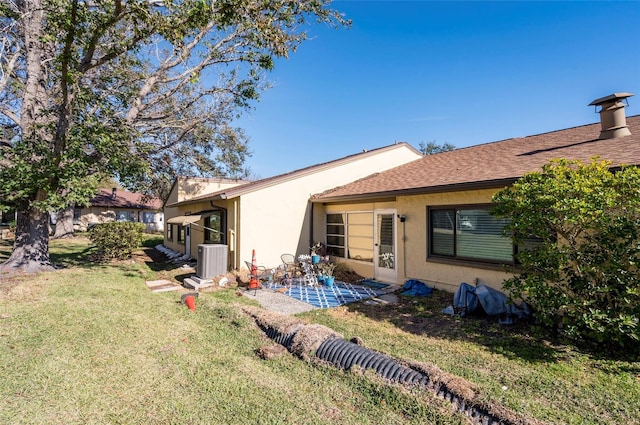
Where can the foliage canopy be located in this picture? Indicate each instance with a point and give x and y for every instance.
(140, 90)
(583, 276)
(432, 147)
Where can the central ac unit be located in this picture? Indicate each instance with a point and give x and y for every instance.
(212, 260)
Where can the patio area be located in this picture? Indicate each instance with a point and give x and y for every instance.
(299, 297)
(323, 296)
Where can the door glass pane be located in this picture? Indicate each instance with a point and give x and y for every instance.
(386, 256)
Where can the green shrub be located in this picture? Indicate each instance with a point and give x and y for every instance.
(116, 239)
(582, 276)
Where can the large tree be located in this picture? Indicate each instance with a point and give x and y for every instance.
(136, 89)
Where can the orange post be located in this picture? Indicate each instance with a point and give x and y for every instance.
(190, 300)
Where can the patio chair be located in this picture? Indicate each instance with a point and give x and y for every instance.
(263, 274)
(291, 268)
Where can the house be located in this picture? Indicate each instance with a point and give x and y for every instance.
(120, 205)
(272, 216)
(429, 219)
(7, 219)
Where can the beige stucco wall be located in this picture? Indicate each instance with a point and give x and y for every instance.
(445, 276)
(363, 268)
(411, 236)
(190, 187)
(277, 220)
(92, 215)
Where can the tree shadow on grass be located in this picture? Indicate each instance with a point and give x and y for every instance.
(65, 258)
(423, 316)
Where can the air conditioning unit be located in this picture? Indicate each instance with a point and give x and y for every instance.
(212, 260)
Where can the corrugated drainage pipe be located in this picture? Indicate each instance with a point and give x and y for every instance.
(345, 354)
(284, 339)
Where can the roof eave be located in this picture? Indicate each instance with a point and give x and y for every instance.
(393, 194)
(216, 197)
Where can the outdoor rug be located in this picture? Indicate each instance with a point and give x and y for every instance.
(323, 296)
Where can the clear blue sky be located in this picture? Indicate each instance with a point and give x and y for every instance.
(465, 73)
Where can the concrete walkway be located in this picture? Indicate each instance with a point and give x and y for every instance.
(278, 302)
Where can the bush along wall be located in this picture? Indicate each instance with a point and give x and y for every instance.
(116, 240)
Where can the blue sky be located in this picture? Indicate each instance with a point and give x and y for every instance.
(454, 72)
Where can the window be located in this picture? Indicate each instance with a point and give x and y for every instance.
(7, 217)
(468, 233)
(350, 235)
(181, 234)
(124, 216)
(148, 217)
(335, 235)
(77, 213)
(215, 228)
(169, 232)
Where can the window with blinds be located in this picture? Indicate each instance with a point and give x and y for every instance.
(468, 234)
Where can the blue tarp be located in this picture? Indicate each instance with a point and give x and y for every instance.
(415, 288)
(493, 302)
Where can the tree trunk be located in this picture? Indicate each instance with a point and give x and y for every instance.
(31, 247)
(64, 224)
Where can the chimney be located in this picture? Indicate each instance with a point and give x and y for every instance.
(612, 118)
(113, 193)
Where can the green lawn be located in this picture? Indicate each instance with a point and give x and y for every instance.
(91, 344)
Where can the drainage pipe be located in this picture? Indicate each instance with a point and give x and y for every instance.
(345, 354)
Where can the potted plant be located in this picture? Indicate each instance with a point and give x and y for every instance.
(387, 260)
(316, 250)
(326, 269)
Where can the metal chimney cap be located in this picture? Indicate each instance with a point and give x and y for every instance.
(611, 98)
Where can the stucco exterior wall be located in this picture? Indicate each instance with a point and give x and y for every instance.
(363, 268)
(277, 219)
(411, 236)
(442, 275)
(191, 187)
(93, 215)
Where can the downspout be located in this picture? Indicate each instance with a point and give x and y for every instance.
(404, 249)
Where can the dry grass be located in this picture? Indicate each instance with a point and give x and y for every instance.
(91, 344)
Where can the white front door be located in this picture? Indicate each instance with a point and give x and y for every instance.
(384, 247)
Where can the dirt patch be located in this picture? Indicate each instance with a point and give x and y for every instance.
(346, 275)
(424, 316)
(308, 339)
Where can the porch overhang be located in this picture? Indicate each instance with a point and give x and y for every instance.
(184, 220)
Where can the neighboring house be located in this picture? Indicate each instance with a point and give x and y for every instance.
(272, 216)
(6, 219)
(429, 219)
(120, 205)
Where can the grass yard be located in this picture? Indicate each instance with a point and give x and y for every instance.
(91, 344)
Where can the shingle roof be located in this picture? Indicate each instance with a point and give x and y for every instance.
(124, 199)
(492, 164)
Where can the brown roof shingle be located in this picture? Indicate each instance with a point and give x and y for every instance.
(493, 164)
(124, 199)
